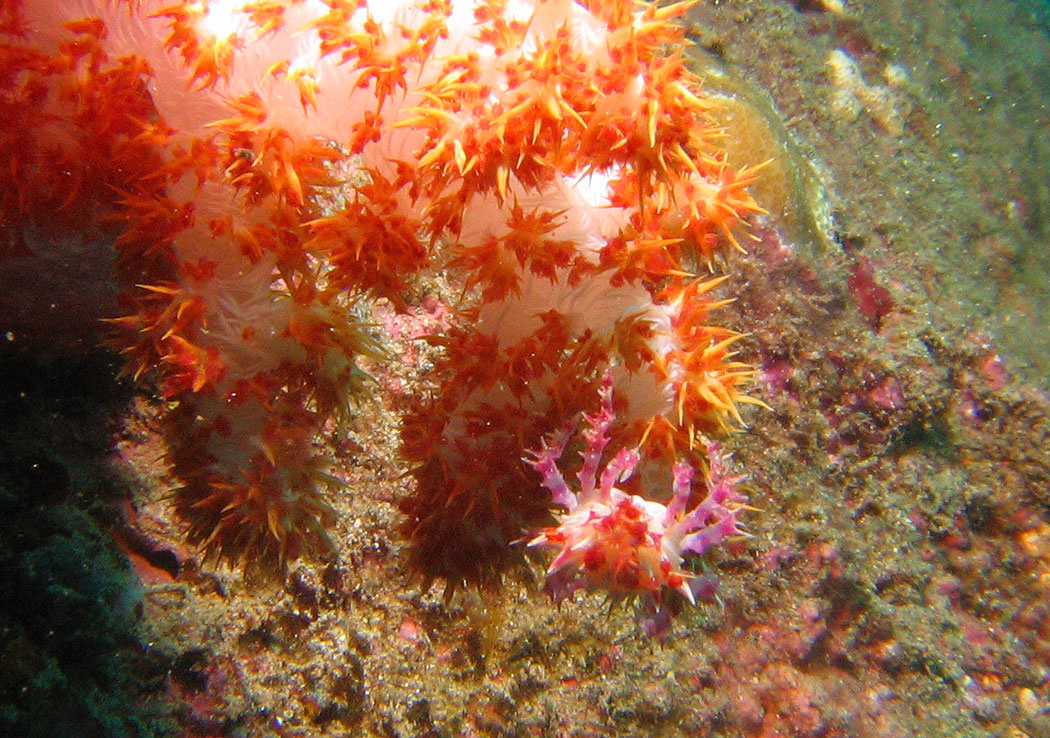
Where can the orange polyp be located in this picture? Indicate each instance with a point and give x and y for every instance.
(194, 367)
(251, 113)
(255, 242)
(266, 15)
(90, 26)
(306, 80)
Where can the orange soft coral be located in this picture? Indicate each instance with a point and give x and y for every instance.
(555, 157)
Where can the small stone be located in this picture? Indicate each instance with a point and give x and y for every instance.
(1028, 702)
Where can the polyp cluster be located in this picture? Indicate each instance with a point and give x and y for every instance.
(555, 158)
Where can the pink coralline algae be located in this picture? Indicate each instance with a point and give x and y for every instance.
(624, 544)
(873, 300)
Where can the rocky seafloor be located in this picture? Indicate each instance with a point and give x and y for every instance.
(896, 582)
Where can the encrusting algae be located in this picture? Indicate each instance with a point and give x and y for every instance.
(558, 159)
